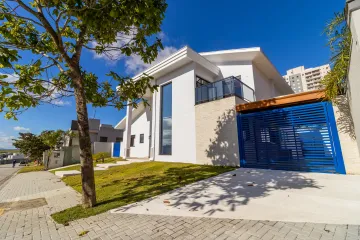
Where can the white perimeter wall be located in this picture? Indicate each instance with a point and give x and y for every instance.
(183, 115)
(101, 147)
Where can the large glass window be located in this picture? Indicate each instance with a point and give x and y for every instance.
(166, 119)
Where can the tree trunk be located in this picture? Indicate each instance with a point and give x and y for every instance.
(87, 169)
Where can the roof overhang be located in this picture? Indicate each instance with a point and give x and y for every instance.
(254, 55)
(282, 101)
(180, 58)
(350, 6)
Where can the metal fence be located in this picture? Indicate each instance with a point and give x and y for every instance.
(230, 86)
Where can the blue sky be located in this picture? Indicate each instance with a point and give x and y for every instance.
(288, 31)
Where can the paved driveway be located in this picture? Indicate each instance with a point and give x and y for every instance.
(262, 195)
(30, 222)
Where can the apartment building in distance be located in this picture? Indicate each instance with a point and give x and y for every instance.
(302, 80)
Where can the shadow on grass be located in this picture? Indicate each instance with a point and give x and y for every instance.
(128, 184)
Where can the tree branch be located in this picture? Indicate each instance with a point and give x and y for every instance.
(79, 44)
(57, 38)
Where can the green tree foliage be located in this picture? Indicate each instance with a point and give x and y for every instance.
(56, 33)
(31, 145)
(339, 41)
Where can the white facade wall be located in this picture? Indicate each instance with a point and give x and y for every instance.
(238, 68)
(183, 115)
(264, 87)
(354, 69)
(141, 125)
(203, 73)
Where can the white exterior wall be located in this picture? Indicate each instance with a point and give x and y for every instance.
(183, 115)
(141, 125)
(244, 69)
(354, 73)
(347, 138)
(264, 87)
(203, 73)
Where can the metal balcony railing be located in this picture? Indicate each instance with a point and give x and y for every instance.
(230, 86)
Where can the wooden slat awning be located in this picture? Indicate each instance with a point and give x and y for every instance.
(283, 101)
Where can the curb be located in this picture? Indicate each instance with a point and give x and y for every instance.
(7, 179)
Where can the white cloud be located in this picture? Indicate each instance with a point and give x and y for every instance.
(61, 102)
(21, 129)
(134, 64)
(6, 141)
(10, 77)
(112, 56)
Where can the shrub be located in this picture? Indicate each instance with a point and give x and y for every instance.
(101, 156)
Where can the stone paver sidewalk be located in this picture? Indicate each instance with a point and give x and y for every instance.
(36, 223)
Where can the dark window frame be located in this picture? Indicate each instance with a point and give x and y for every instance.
(161, 119)
(118, 139)
(102, 139)
(132, 141)
(142, 137)
(200, 81)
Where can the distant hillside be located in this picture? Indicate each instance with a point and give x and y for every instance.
(9, 150)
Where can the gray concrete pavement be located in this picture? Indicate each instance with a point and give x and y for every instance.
(262, 195)
(6, 170)
(36, 223)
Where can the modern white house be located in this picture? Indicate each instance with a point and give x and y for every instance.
(192, 116)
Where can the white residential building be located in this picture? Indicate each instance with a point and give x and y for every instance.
(301, 79)
(192, 116)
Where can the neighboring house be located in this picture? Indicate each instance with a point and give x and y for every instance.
(98, 132)
(192, 116)
(103, 138)
(353, 20)
(303, 79)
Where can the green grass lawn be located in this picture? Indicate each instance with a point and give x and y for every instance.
(32, 168)
(77, 167)
(127, 184)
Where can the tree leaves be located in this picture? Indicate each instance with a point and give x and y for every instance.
(56, 35)
(339, 41)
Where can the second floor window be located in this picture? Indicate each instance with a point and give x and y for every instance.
(141, 138)
(103, 139)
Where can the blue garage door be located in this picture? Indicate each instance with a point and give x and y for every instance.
(299, 138)
(116, 149)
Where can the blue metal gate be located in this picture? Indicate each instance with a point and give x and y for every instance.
(299, 138)
(116, 149)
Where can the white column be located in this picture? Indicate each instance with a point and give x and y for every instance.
(153, 127)
(127, 139)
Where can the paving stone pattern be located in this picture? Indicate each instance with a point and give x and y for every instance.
(36, 223)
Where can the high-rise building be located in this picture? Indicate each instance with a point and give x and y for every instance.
(301, 79)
